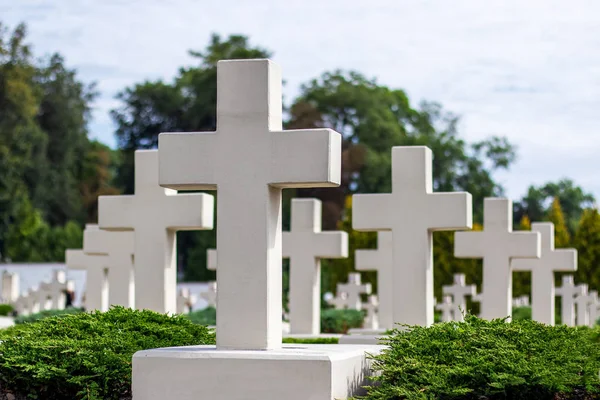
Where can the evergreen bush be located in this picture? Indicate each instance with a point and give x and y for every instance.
(86, 355)
(5, 309)
(26, 319)
(340, 321)
(207, 316)
(489, 360)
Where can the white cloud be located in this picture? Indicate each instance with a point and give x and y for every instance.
(527, 70)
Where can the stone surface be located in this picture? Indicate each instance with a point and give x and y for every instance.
(362, 339)
(211, 259)
(339, 301)
(372, 308)
(567, 293)
(542, 272)
(56, 290)
(593, 309)
(10, 287)
(210, 295)
(582, 305)
(448, 309)
(380, 260)
(353, 290)
(250, 159)
(155, 215)
(305, 245)
(295, 372)
(459, 290)
(96, 292)
(412, 212)
(497, 244)
(118, 248)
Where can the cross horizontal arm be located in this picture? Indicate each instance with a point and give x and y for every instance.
(525, 264)
(368, 260)
(117, 213)
(469, 244)
(306, 158)
(370, 212)
(188, 158)
(331, 245)
(450, 211)
(564, 260)
(525, 244)
(188, 211)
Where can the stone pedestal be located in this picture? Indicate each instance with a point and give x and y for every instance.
(295, 372)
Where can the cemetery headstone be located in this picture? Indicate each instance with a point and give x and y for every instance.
(155, 214)
(339, 301)
(372, 308)
(447, 307)
(497, 244)
(567, 293)
(380, 260)
(582, 305)
(412, 212)
(594, 310)
(459, 290)
(353, 289)
(521, 301)
(10, 287)
(305, 245)
(542, 272)
(95, 265)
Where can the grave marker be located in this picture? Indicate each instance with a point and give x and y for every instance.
(305, 245)
(354, 288)
(542, 272)
(594, 310)
(497, 244)
(96, 292)
(448, 309)
(567, 292)
(380, 260)
(372, 309)
(185, 301)
(412, 212)
(459, 290)
(10, 287)
(155, 215)
(582, 304)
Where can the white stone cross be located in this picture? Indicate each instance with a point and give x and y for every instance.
(371, 307)
(339, 302)
(354, 289)
(542, 272)
(448, 309)
(43, 296)
(10, 287)
(249, 159)
(32, 303)
(185, 301)
(155, 214)
(521, 301)
(96, 297)
(582, 304)
(57, 290)
(211, 294)
(497, 244)
(211, 259)
(118, 248)
(459, 290)
(412, 212)
(567, 292)
(594, 309)
(20, 305)
(380, 260)
(305, 245)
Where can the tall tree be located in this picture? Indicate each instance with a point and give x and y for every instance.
(587, 243)
(562, 237)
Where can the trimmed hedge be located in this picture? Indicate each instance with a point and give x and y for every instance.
(5, 310)
(340, 321)
(87, 355)
(311, 340)
(481, 359)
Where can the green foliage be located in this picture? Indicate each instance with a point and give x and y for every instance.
(521, 313)
(87, 356)
(339, 321)
(487, 359)
(5, 309)
(562, 237)
(311, 341)
(208, 316)
(587, 243)
(26, 319)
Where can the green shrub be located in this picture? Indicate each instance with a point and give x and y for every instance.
(26, 319)
(521, 313)
(481, 359)
(311, 340)
(5, 309)
(87, 355)
(208, 316)
(339, 321)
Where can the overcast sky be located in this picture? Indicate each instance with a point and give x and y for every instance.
(529, 70)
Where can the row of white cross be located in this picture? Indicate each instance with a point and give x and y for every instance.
(47, 296)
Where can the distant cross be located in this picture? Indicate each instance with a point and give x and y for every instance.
(339, 301)
(57, 290)
(380, 260)
(185, 301)
(305, 245)
(582, 304)
(497, 244)
(354, 289)
(20, 305)
(155, 215)
(542, 272)
(448, 308)
(211, 259)
(210, 296)
(96, 297)
(412, 212)
(371, 307)
(10, 287)
(567, 293)
(118, 248)
(521, 301)
(250, 160)
(459, 290)
(594, 310)
(32, 301)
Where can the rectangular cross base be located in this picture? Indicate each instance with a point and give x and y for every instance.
(361, 339)
(295, 372)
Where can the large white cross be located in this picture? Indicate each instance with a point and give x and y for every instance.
(354, 288)
(305, 245)
(567, 293)
(10, 287)
(249, 160)
(380, 260)
(96, 292)
(497, 244)
(118, 248)
(459, 290)
(412, 212)
(155, 214)
(542, 272)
